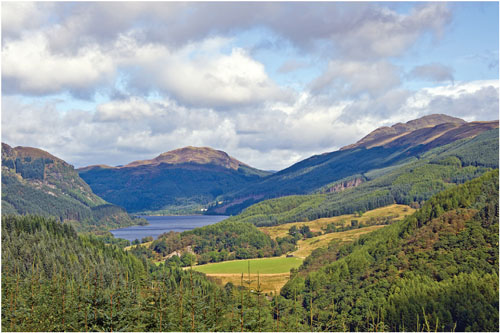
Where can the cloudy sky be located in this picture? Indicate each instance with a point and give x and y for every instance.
(269, 83)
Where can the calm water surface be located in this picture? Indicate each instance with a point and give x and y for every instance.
(160, 224)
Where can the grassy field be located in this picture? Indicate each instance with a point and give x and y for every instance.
(306, 246)
(372, 217)
(273, 273)
(262, 265)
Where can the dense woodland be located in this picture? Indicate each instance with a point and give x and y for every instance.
(55, 280)
(214, 243)
(182, 188)
(435, 270)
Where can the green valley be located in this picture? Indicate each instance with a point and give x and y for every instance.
(237, 166)
(421, 272)
(410, 243)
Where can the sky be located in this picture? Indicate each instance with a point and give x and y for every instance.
(270, 83)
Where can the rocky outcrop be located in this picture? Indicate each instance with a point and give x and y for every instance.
(341, 186)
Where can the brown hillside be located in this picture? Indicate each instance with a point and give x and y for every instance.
(433, 131)
(384, 135)
(198, 155)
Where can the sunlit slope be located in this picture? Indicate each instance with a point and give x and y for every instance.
(410, 183)
(181, 181)
(317, 171)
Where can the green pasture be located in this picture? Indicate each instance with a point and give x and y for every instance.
(262, 266)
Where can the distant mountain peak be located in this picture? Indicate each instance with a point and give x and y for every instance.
(384, 135)
(190, 154)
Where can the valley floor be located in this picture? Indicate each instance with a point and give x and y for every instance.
(275, 272)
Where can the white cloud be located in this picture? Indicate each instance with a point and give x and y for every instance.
(350, 78)
(476, 100)
(198, 74)
(131, 109)
(220, 80)
(380, 32)
(29, 66)
(18, 16)
(358, 30)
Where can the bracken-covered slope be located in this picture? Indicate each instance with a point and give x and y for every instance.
(36, 182)
(384, 135)
(182, 180)
(385, 147)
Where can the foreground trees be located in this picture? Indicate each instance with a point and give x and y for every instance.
(435, 270)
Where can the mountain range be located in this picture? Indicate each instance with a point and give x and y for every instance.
(205, 180)
(435, 268)
(384, 147)
(194, 179)
(181, 180)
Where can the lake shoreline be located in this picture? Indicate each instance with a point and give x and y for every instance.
(158, 225)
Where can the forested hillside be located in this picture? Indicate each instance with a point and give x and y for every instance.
(319, 171)
(214, 243)
(411, 182)
(435, 270)
(36, 182)
(54, 280)
(181, 181)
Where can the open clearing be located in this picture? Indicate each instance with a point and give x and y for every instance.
(376, 216)
(306, 246)
(262, 265)
(269, 283)
(273, 273)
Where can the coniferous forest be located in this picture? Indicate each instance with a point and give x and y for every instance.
(434, 270)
